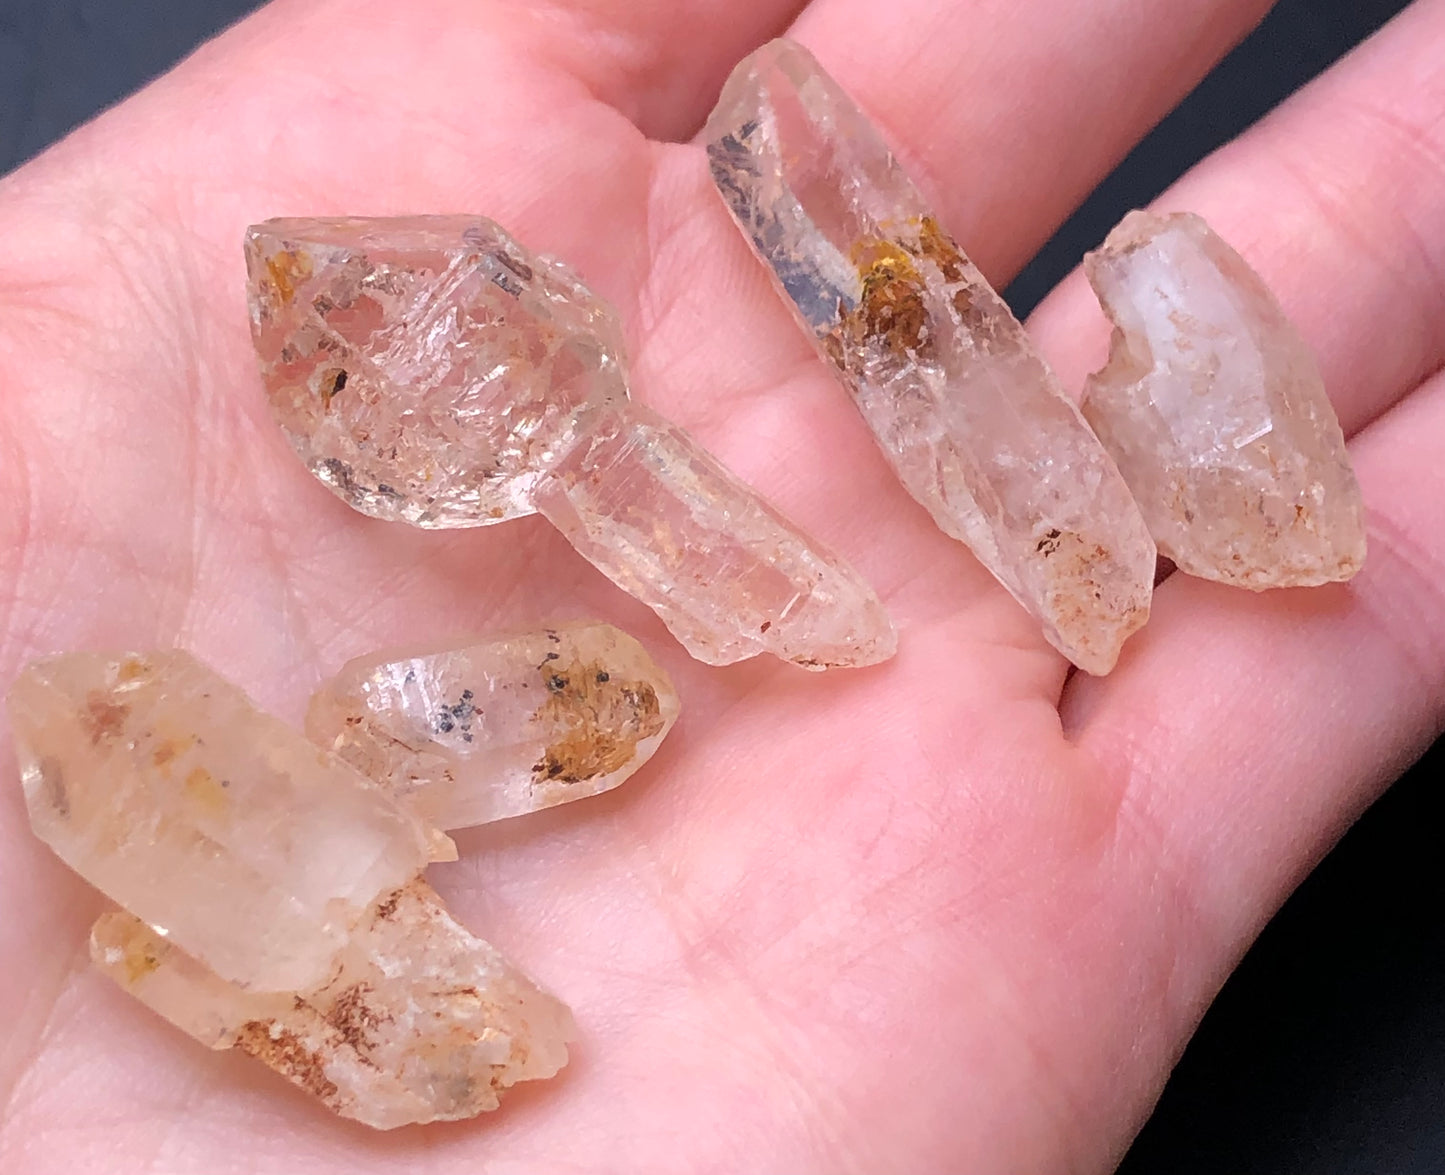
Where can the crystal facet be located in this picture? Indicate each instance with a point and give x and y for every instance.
(430, 370)
(474, 733)
(967, 412)
(273, 899)
(1213, 406)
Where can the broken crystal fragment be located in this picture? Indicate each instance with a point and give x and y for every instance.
(140, 770)
(965, 409)
(431, 371)
(728, 575)
(272, 896)
(1213, 406)
(427, 369)
(418, 1021)
(470, 734)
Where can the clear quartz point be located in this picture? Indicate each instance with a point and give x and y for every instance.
(1213, 406)
(473, 733)
(969, 415)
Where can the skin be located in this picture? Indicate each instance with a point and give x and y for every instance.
(957, 912)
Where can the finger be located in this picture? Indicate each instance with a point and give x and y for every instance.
(659, 62)
(1338, 199)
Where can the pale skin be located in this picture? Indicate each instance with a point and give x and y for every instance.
(959, 912)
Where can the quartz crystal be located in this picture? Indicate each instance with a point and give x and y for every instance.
(418, 1021)
(272, 894)
(1213, 407)
(430, 370)
(727, 574)
(139, 770)
(965, 409)
(470, 734)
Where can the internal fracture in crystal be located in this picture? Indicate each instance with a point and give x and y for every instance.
(430, 370)
(469, 734)
(965, 409)
(1213, 406)
(272, 898)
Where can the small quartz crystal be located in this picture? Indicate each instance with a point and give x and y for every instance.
(726, 572)
(418, 1021)
(139, 770)
(1213, 406)
(473, 733)
(965, 409)
(430, 370)
(272, 894)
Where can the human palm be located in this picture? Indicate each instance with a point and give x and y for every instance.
(955, 912)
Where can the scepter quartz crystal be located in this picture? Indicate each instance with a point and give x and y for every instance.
(430, 370)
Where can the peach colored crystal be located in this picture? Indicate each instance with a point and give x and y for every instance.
(272, 894)
(418, 1021)
(472, 733)
(1213, 406)
(968, 414)
(430, 370)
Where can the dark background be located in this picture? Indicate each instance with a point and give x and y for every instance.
(1325, 1053)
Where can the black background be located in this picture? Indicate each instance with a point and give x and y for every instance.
(1325, 1053)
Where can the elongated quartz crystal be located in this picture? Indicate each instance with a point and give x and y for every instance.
(473, 733)
(1213, 406)
(967, 412)
(140, 770)
(430, 370)
(271, 893)
(642, 502)
(418, 1021)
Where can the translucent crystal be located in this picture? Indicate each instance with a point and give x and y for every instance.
(145, 771)
(418, 1020)
(728, 575)
(431, 371)
(272, 893)
(519, 722)
(427, 369)
(971, 418)
(1213, 406)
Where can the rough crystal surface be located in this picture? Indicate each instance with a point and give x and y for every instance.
(474, 733)
(967, 412)
(727, 573)
(140, 770)
(427, 369)
(272, 894)
(418, 1020)
(1213, 406)
(431, 371)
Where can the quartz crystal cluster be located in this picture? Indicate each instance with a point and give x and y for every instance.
(430, 370)
(272, 894)
(1213, 406)
(967, 412)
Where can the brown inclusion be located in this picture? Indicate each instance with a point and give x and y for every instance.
(600, 719)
